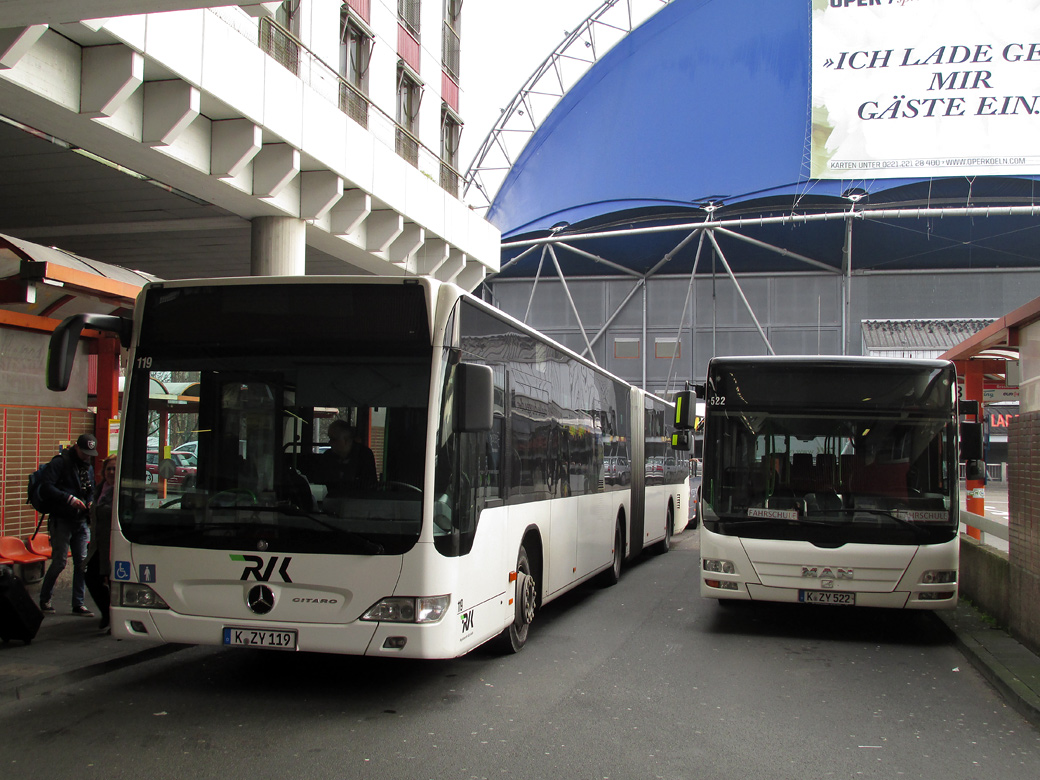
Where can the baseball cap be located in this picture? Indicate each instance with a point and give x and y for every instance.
(87, 444)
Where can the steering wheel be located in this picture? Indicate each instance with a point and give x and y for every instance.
(233, 493)
(393, 484)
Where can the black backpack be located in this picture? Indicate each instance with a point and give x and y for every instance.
(33, 494)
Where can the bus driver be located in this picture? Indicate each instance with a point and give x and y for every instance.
(347, 464)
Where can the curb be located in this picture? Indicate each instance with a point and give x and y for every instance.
(1012, 669)
(43, 685)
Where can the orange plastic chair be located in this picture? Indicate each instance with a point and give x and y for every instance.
(14, 550)
(40, 544)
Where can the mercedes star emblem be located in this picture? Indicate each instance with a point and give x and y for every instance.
(260, 599)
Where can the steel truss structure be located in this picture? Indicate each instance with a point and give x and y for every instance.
(705, 232)
(535, 100)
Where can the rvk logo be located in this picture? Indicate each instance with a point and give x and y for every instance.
(261, 572)
(467, 621)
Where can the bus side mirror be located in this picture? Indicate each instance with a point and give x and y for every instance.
(972, 453)
(686, 418)
(685, 410)
(971, 442)
(61, 354)
(681, 440)
(474, 398)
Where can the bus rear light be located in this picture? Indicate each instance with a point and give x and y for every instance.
(132, 594)
(408, 609)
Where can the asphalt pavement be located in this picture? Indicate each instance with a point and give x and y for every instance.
(69, 649)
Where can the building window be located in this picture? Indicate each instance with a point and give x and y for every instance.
(408, 15)
(409, 94)
(450, 46)
(278, 37)
(288, 16)
(355, 53)
(451, 132)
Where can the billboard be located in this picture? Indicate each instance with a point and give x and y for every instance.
(923, 88)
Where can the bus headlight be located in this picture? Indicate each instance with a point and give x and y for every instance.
(132, 594)
(408, 609)
(719, 567)
(938, 577)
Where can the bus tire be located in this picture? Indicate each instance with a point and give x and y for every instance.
(665, 544)
(514, 636)
(613, 574)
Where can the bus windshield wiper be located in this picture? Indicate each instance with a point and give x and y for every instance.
(916, 527)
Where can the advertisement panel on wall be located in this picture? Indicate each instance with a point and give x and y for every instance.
(922, 88)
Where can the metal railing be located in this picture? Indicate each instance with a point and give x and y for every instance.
(408, 14)
(407, 146)
(995, 472)
(327, 82)
(280, 44)
(451, 51)
(449, 179)
(353, 103)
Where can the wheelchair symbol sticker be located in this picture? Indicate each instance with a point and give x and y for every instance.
(122, 571)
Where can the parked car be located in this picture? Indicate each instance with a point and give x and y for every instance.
(654, 472)
(617, 470)
(191, 447)
(184, 467)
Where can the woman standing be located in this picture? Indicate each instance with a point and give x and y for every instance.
(98, 565)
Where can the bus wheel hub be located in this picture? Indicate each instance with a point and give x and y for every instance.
(526, 596)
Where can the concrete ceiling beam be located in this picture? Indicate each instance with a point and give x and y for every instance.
(274, 166)
(382, 227)
(471, 276)
(347, 216)
(233, 145)
(433, 255)
(319, 192)
(404, 247)
(169, 107)
(451, 267)
(109, 75)
(15, 43)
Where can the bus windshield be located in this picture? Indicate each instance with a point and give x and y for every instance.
(872, 465)
(257, 439)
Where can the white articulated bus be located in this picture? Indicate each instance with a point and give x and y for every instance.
(830, 481)
(474, 490)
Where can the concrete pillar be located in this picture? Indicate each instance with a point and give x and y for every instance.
(279, 246)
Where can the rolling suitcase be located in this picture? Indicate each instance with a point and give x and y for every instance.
(20, 616)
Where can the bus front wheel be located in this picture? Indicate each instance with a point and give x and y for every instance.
(665, 544)
(613, 574)
(514, 637)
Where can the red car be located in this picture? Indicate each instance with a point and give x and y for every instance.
(184, 469)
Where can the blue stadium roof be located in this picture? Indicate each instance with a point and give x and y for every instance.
(707, 104)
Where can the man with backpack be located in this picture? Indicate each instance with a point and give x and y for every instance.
(67, 489)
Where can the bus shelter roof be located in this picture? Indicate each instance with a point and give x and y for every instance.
(995, 346)
(40, 285)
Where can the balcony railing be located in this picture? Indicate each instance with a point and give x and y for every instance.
(451, 51)
(280, 44)
(449, 179)
(407, 146)
(353, 103)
